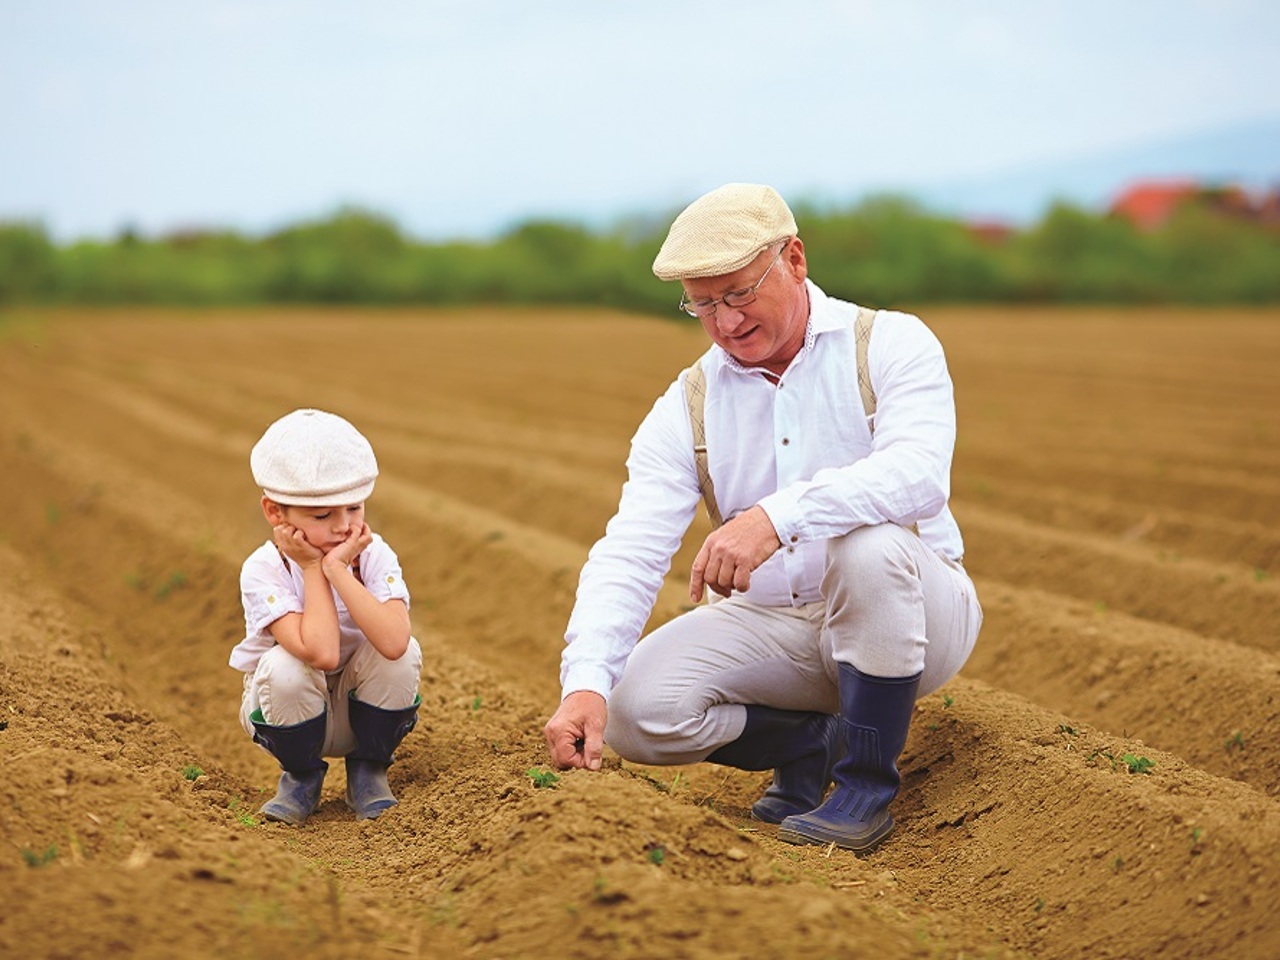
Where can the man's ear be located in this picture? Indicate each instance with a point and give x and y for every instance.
(796, 259)
(272, 511)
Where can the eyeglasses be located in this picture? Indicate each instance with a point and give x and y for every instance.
(734, 298)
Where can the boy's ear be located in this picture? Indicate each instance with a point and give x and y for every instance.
(272, 511)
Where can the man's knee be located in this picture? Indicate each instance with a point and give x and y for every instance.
(868, 554)
(634, 724)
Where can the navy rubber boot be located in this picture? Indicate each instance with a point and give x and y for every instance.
(799, 745)
(297, 748)
(378, 733)
(875, 713)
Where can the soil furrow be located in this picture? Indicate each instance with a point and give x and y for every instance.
(1228, 602)
(1099, 783)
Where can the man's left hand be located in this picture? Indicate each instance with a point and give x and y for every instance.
(730, 554)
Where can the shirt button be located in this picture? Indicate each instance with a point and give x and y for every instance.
(795, 538)
(785, 441)
(795, 596)
(791, 549)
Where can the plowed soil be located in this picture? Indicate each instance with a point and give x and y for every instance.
(1101, 781)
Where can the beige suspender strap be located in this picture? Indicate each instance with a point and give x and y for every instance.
(695, 393)
(862, 337)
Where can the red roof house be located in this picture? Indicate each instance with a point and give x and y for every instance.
(1149, 205)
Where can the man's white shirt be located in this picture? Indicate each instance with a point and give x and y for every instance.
(802, 449)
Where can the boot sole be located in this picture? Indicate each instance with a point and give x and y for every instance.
(814, 834)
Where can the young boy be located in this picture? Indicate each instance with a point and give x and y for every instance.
(330, 667)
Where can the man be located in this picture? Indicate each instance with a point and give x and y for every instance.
(838, 595)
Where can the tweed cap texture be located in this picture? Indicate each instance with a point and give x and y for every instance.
(722, 231)
(313, 458)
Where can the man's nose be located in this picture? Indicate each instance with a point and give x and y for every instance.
(728, 318)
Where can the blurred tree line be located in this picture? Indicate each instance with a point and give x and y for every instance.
(884, 251)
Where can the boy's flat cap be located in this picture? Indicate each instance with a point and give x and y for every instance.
(722, 231)
(315, 459)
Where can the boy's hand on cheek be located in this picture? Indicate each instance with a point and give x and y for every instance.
(346, 552)
(294, 545)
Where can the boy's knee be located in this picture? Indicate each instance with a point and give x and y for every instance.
(286, 675)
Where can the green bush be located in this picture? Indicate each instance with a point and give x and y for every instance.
(884, 251)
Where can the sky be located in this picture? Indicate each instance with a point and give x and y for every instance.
(461, 118)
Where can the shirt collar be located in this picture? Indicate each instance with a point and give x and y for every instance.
(822, 319)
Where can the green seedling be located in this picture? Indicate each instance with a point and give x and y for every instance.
(34, 859)
(246, 820)
(1235, 741)
(1039, 904)
(1137, 764)
(475, 704)
(656, 854)
(192, 772)
(135, 580)
(1259, 574)
(1070, 731)
(52, 513)
(176, 579)
(1117, 864)
(947, 700)
(543, 779)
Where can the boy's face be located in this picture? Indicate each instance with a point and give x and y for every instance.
(323, 527)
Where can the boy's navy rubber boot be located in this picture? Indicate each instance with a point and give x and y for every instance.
(799, 745)
(378, 733)
(297, 747)
(875, 713)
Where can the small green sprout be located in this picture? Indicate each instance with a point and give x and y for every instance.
(34, 859)
(543, 779)
(1039, 904)
(192, 772)
(1070, 731)
(475, 704)
(176, 579)
(947, 700)
(1235, 741)
(656, 854)
(1137, 764)
(1117, 864)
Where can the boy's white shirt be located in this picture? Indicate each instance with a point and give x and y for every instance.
(271, 586)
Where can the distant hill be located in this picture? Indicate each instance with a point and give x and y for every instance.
(1246, 154)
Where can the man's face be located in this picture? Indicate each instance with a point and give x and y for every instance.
(769, 331)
